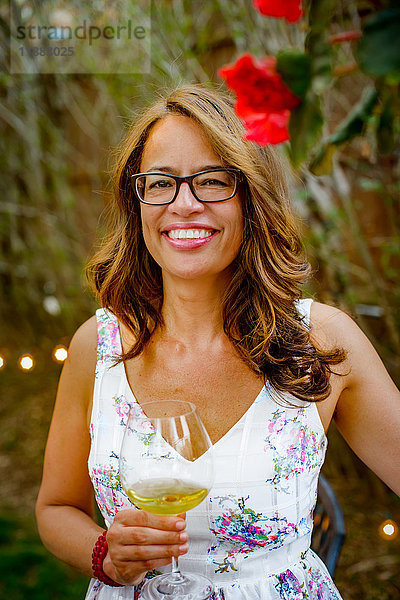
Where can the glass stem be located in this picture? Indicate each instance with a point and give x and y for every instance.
(176, 575)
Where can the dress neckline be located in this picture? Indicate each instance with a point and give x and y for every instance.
(264, 390)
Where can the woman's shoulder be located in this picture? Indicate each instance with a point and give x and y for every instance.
(332, 321)
(86, 334)
(96, 340)
(333, 327)
(78, 373)
(82, 351)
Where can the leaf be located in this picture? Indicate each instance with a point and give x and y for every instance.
(349, 128)
(354, 123)
(323, 161)
(304, 127)
(316, 43)
(321, 13)
(295, 69)
(321, 61)
(379, 49)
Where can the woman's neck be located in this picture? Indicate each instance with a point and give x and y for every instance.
(192, 310)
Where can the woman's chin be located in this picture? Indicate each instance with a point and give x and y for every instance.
(205, 275)
(189, 275)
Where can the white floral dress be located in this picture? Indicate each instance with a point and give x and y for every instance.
(251, 535)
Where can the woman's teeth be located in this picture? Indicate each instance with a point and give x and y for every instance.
(188, 234)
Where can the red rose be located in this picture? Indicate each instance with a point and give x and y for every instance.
(290, 10)
(269, 128)
(258, 86)
(263, 100)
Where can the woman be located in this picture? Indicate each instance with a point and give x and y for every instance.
(201, 279)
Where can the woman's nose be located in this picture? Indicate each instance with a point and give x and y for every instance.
(186, 202)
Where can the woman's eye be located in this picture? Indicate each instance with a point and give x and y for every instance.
(160, 183)
(214, 182)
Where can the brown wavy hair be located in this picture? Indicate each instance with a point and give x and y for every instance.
(258, 307)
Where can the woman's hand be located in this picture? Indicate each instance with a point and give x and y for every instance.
(139, 542)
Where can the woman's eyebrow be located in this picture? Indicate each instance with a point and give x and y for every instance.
(173, 171)
(164, 169)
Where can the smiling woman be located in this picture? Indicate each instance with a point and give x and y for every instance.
(195, 235)
(265, 274)
(199, 281)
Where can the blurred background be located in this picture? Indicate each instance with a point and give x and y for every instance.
(57, 135)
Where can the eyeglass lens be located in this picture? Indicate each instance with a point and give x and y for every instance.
(210, 187)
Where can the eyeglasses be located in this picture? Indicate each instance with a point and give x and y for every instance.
(213, 185)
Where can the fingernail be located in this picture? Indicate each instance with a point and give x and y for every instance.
(180, 525)
(183, 549)
(183, 536)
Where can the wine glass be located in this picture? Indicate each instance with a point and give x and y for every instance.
(166, 468)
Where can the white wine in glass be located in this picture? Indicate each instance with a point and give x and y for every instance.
(166, 468)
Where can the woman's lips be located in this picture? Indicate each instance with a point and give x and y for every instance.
(189, 242)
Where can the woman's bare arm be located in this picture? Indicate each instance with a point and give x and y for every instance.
(367, 412)
(64, 507)
(137, 542)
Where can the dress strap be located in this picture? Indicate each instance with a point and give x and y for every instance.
(108, 337)
(303, 307)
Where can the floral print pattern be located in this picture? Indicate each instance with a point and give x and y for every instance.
(289, 587)
(108, 345)
(301, 453)
(122, 408)
(144, 431)
(241, 528)
(109, 494)
(241, 531)
(320, 585)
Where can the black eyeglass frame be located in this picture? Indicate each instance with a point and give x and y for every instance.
(189, 180)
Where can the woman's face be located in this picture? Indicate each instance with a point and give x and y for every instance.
(178, 145)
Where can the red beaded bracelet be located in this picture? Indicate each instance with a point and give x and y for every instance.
(98, 555)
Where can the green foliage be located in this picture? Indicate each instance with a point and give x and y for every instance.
(355, 122)
(28, 570)
(316, 43)
(379, 48)
(295, 69)
(321, 13)
(305, 126)
(306, 121)
(388, 123)
(53, 177)
(309, 75)
(351, 126)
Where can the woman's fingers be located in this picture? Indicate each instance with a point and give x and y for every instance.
(139, 528)
(148, 535)
(139, 542)
(130, 562)
(142, 554)
(132, 517)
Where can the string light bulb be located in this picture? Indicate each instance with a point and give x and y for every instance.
(2, 361)
(26, 362)
(388, 529)
(60, 353)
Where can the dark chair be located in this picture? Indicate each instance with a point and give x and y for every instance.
(329, 529)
